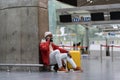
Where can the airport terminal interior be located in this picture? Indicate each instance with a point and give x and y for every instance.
(94, 24)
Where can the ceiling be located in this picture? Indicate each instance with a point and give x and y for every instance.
(108, 27)
(96, 2)
(80, 3)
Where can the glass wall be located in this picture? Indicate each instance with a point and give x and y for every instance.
(52, 6)
(64, 34)
(67, 34)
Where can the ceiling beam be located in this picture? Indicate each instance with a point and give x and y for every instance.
(91, 22)
(110, 7)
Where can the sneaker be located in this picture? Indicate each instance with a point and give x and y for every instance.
(77, 69)
(62, 69)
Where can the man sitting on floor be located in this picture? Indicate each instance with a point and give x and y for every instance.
(52, 54)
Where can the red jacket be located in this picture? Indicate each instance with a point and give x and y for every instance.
(45, 51)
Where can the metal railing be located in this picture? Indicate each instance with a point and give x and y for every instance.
(112, 48)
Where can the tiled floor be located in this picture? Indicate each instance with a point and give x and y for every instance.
(93, 70)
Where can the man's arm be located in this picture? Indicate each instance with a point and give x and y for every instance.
(61, 49)
(44, 45)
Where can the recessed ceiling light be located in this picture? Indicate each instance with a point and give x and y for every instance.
(115, 26)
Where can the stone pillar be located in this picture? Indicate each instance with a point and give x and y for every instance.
(19, 32)
(42, 22)
(43, 18)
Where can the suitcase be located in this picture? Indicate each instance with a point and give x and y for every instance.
(76, 56)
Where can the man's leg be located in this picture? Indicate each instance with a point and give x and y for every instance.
(56, 58)
(70, 60)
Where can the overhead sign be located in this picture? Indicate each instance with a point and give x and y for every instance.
(111, 34)
(81, 18)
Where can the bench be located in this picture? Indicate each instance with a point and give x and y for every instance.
(9, 66)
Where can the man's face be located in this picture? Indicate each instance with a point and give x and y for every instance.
(49, 37)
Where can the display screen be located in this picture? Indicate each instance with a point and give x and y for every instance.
(65, 18)
(115, 15)
(97, 16)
